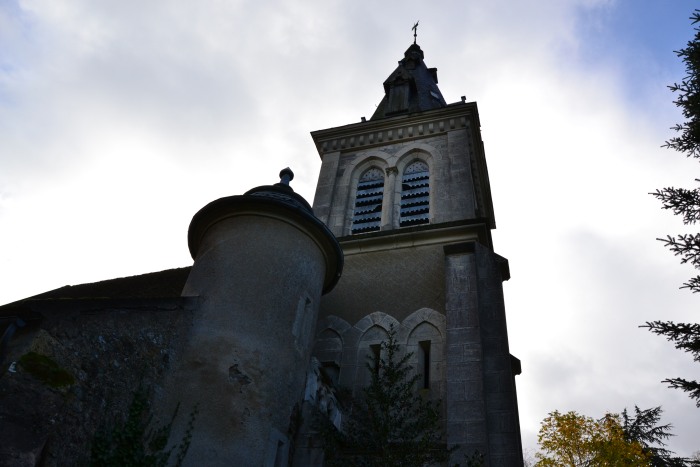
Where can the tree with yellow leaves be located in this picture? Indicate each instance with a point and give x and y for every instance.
(574, 440)
(630, 439)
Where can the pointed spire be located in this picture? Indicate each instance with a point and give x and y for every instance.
(412, 87)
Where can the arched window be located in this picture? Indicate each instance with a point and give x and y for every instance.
(425, 345)
(328, 349)
(367, 216)
(415, 195)
(369, 350)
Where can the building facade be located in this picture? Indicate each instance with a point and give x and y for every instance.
(407, 195)
(284, 302)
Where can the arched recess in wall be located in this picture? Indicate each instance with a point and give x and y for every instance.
(415, 194)
(328, 349)
(415, 190)
(368, 348)
(369, 200)
(426, 345)
(351, 178)
(423, 334)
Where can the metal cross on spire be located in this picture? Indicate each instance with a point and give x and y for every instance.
(415, 31)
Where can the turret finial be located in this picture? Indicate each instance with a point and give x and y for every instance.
(286, 176)
(415, 31)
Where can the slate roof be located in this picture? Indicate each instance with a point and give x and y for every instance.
(424, 93)
(162, 284)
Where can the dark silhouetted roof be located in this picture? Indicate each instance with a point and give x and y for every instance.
(411, 88)
(281, 199)
(162, 284)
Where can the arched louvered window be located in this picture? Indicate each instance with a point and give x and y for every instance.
(415, 195)
(367, 216)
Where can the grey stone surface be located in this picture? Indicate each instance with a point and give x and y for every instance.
(109, 347)
(265, 336)
(499, 382)
(395, 273)
(241, 348)
(396, 282)
(446, 142)
(466, 409)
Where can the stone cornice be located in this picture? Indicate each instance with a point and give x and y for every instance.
(385, 131)
(396, 239)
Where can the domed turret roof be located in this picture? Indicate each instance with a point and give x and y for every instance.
(280, 201)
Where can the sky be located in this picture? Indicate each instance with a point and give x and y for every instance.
(120, 120)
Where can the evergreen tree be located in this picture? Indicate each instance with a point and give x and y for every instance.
(643, 428)
(391, 424)
(134, 442)
(686, 203)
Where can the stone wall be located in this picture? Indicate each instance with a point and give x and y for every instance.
(482, 411)
(107, 348)
(396, 281)
(447, 140)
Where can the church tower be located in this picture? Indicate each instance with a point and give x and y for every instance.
(407, 195)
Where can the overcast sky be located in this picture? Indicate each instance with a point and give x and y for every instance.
(121, 119)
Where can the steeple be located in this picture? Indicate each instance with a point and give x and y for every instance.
(411, 88)
(407, 194)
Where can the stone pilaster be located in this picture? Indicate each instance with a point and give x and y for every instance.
(466, 411)
(323, 199)
(499, 383)
(389, 197)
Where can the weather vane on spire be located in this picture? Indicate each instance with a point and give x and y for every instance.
(415, 31)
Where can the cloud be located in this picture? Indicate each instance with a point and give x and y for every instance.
(119, 120)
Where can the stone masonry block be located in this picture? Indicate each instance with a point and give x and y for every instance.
(463, 335)
(476, 432)
(495, 345)
(456, 390)
(497, 364)
(456, 433)
(463, 314)
(466, 411)
(473, 390)
(455, 352)
(464, 371)
(472, 353)
(500, 402)
(461, 353)
(501, 421)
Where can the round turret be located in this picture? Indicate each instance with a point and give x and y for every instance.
(262, 260)
(278, 201)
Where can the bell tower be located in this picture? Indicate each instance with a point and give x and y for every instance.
(407, 195)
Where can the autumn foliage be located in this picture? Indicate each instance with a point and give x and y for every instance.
(574, 440)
